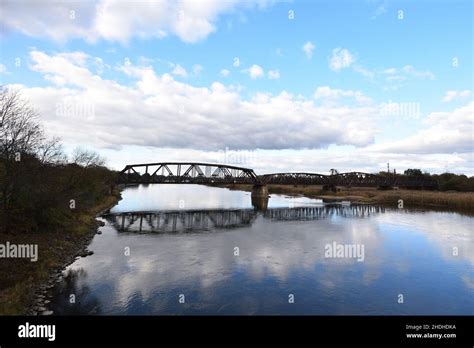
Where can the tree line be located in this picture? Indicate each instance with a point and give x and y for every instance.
(447, 181)
(40, 186)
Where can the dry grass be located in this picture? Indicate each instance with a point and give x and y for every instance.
(459, 201)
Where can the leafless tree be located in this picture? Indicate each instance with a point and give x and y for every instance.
(20, 136)
(87, 158)
(19, 130)
(51, 151)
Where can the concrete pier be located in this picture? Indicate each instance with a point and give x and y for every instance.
(260, 197)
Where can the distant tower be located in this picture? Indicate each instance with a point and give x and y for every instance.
(388, 167)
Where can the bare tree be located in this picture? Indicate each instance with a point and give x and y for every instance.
(20, 136)
(51, 151)
(87, 158)
(19, 130)
(334, 171)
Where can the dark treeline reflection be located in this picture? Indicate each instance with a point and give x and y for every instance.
(208, 220)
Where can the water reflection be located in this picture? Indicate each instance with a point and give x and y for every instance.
(259, 202)
(181, 221)
(207, 220)
(173, 197)
(280, 251)
(73, 295)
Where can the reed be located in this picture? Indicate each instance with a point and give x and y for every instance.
(459, 201)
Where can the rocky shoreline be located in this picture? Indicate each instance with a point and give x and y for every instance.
(43, 292)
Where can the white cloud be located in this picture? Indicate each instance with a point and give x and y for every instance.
(445, 132)
(364, 71)
(331, 94)
(393, 78)
(186, 113)
(33, 18)
(274, 122)
(273, 74)
(308, 49)
(77, 57)
(144, 60)
(255, 71)
(390, 71)
(197, 69)
(3, 68)
(411, 71)
(224, 72)
(452, 95)
(341, 58)
(114, 20)
(180, 71)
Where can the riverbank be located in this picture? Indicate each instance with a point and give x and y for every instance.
(456, 201)
(25, 285)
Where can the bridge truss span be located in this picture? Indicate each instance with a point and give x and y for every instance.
(295, 179)
(187, 173)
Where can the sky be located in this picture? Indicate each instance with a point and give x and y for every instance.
(287, 86)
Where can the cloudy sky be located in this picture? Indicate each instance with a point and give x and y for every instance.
(270, 85)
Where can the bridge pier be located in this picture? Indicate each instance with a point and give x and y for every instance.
(260, 197)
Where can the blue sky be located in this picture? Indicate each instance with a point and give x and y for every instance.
(309, 92)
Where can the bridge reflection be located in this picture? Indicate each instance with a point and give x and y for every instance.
(208, 220)
(181, 221)
(315, 213)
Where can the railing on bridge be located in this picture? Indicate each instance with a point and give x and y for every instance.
(207, 173)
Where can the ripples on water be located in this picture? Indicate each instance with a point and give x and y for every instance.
(182, 240)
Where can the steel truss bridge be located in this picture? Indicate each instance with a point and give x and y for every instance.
(208, 220)
(208, 173)
(186, 173)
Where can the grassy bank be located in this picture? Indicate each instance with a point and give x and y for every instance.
(22, 280)
(457, 201)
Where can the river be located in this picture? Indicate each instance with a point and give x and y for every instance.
(197, 250)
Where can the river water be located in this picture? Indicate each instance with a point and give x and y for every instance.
(190, 249)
